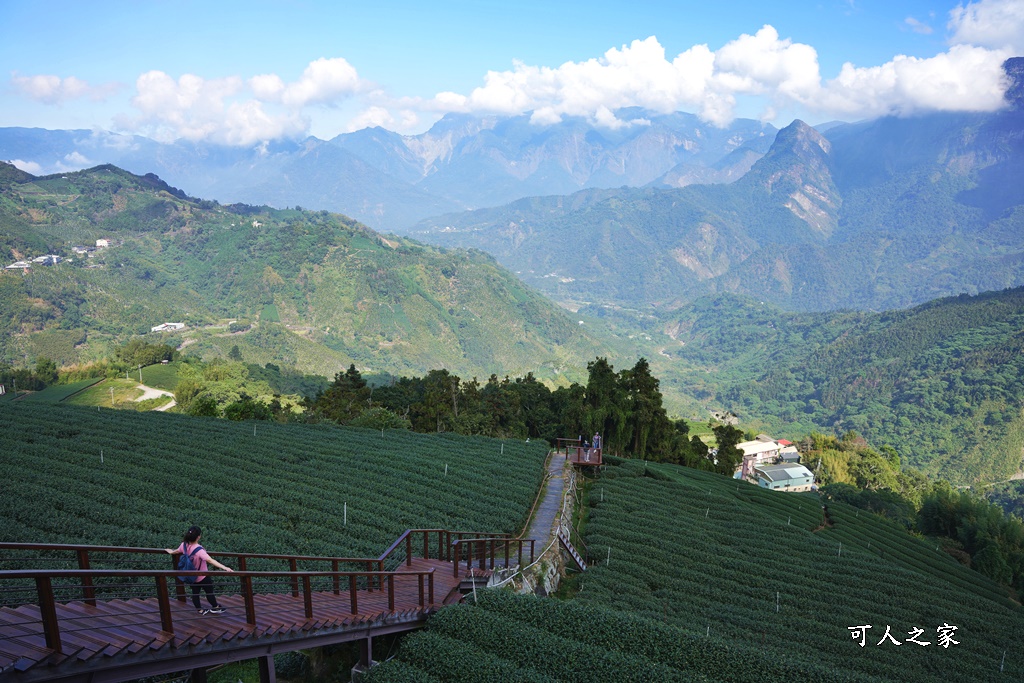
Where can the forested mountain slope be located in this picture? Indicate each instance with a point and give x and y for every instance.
(879, 215)
(943, 383)
(801, 229)
(342, 293)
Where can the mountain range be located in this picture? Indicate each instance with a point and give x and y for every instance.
(876, 215)
(390, 181)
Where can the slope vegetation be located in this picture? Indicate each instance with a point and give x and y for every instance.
(343, 292)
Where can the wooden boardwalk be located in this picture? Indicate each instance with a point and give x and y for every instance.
(92, 638)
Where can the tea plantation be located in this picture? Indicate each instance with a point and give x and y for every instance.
(699, 577)
(106, 477)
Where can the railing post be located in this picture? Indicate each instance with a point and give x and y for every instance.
(483, 553)
(419, 581)
(163, 598)
(408, 549)
(307, 597)
(88, 591)
(533, 542)
(520, 553)
(391, 592)
(492, 553)
(430, 586)
(247, 596)
(455, 564)
(426, 545)
(48, 613)
(337, 579)
(440, 545)
(507, 544)
(179, 587)
(352, 593)
(294, 564)
(250, 602)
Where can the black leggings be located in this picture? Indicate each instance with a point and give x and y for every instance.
(207, 585)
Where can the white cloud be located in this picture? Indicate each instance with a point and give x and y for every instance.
(997, 24)
(50, 89)
(27, 166)
(965, 78)
(324, 81)
(918, 26)
(77, 159)
(234, 111)
(371, 117)
(778, 72)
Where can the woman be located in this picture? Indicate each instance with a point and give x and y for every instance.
(200, 558)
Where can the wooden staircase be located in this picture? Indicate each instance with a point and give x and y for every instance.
(563, 538)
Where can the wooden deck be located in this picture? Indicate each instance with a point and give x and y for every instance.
(86, 636)
(584, 457)
(93, 635)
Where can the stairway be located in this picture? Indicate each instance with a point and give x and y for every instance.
(567, 544)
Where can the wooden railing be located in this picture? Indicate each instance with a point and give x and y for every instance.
(47, 601)
(483, 550)
(84, 555)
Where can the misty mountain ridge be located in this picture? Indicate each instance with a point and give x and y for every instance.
(875, 215)
(390, 181)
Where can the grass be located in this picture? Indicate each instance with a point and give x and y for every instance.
(124, 393)
(60, 392)
(161, 376)
(270, 314)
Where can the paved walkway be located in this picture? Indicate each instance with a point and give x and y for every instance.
(550, 506)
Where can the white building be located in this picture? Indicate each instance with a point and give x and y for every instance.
(102, 244)
(164, 327)
(19, 265)
(793, 478)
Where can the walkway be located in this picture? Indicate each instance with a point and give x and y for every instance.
(550, 506)
(95, 625)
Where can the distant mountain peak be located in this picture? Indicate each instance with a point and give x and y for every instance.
(797, 167)
(1014, 70)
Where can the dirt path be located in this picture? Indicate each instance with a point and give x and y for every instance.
(150, 392)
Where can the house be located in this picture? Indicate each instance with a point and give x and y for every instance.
(786, 477)
(789, 454)
(164, 327)
(19, 265)
(82, 250)
(102, 244)
(48, 260)
(756, 453)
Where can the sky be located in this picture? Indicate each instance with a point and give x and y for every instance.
(244, 73)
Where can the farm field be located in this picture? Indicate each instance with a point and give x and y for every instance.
(695, 576)
(139, 479)
(711, 555)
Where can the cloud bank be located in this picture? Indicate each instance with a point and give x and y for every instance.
(778, 73)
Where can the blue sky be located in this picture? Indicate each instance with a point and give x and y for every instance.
(241, 73)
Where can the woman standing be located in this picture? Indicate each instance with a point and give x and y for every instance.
(201, 559)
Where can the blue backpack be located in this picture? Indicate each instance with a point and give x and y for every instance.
(186, 564)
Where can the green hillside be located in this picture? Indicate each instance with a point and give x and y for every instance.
(108, 477)
(695, 576)
(324, 290)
